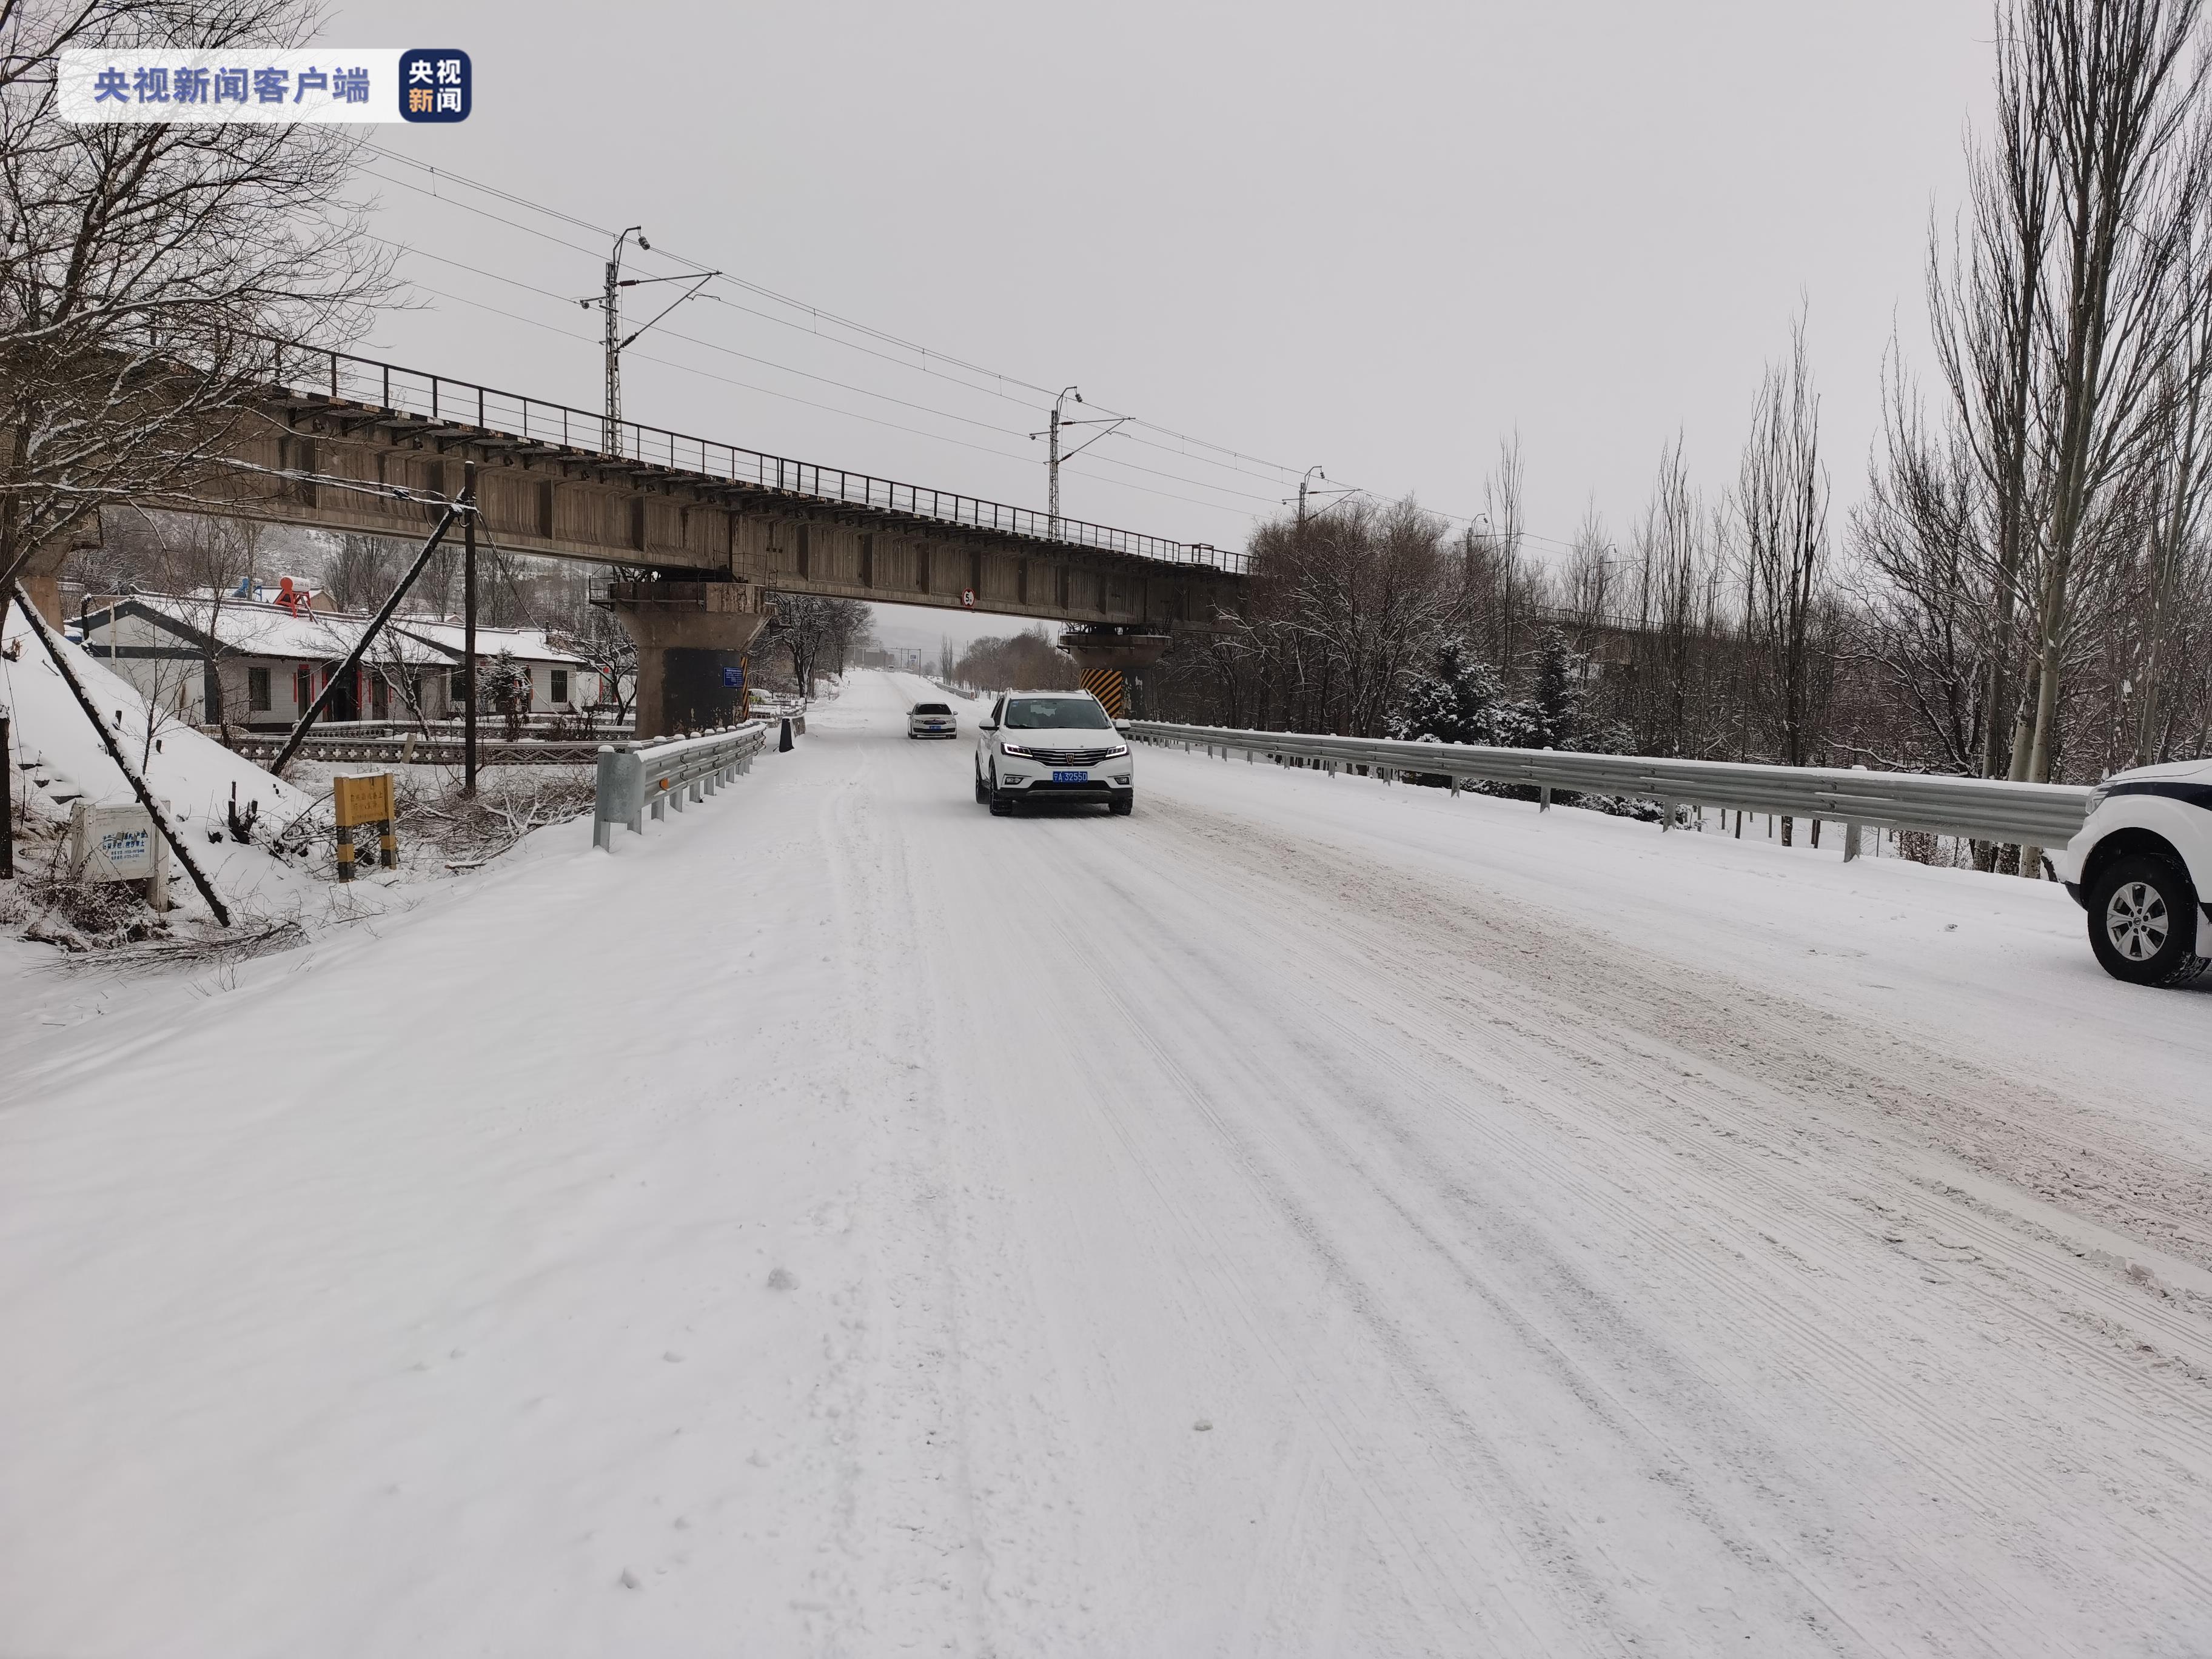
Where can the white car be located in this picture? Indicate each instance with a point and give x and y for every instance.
(932, 719)
(1053, 746)
(2141, 867)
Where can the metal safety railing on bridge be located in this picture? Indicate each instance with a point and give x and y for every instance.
(466, 406)
(1973, 809)
(635, 778)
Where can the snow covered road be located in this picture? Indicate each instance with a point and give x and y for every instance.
(1303, 1218)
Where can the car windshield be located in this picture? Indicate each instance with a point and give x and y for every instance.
(931, 708)
(1056, 715)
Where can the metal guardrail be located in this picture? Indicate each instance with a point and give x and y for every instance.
(633, 776)
(1976, 809)
(417, 750)
(464, 405)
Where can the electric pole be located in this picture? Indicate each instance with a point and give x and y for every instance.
(1054, 458)
(1305, 488)
(609, 301)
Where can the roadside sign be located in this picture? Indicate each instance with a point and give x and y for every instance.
(362, 801)
(113, 843)
(356, 803)
(733, 678)
(968, 598)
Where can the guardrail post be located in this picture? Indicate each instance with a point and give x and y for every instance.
(1666, 816)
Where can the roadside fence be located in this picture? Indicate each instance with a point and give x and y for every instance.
(1973, 809)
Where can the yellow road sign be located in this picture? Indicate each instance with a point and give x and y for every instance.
(362, 801)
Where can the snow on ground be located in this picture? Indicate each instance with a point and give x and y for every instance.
(192, 773)
(1305, 1216)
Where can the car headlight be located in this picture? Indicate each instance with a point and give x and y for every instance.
(2098, 798)
(1011, 749)
(1116, 753)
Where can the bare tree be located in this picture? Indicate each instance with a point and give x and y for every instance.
(2121, 79)
(1984, 309)
(360, 571)
(1930, 628)
(598, 637)
(1782, 497)
(815, 631)
(150, 269)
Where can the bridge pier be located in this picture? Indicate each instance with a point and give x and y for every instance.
(42, 577)
(687, 635)
(1107, 655)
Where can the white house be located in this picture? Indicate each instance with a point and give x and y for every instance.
(250, 663)
(245, 662)
(560, 682)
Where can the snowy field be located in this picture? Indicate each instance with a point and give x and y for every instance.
(1304, 1217)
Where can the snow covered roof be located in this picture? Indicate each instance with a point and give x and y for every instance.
(252, 628)
(524, 644)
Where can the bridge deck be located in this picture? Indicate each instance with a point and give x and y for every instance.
(349, 443)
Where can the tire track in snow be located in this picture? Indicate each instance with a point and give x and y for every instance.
(1280, 870)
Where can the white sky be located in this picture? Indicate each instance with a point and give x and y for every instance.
(1377, 238)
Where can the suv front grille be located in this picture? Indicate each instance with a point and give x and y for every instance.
(1069, 756)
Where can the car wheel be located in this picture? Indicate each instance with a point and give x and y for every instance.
(1123, 807)
(1002, 804)
(2143, 922)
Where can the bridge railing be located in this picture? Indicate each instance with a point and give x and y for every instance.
(363, 380)
(1975, 809)
(637, 777)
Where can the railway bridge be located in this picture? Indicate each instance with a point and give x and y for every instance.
(700, 531)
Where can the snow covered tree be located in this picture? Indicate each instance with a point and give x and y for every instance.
(506, 686)
(147, 269)
(1554, 708)
(1460, 701)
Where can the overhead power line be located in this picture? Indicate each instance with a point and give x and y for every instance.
(924, 359)
(766, 362)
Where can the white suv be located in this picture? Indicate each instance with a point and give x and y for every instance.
(1053, 746)
(2142, 866)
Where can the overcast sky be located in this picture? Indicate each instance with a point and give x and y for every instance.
(1377, 237)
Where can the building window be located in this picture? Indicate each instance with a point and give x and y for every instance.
(256, 690)
(559, 685)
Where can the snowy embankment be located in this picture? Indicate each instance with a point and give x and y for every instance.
(1305, 1216)
(57, 757)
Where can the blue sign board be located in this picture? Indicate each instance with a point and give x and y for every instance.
(734, 679)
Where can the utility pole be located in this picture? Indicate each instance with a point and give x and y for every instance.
(609, 301)
(1051, 465)
(1305, 489)
(468, 626)
(1054, 458)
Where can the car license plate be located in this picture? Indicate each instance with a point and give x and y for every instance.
(1071, 777)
